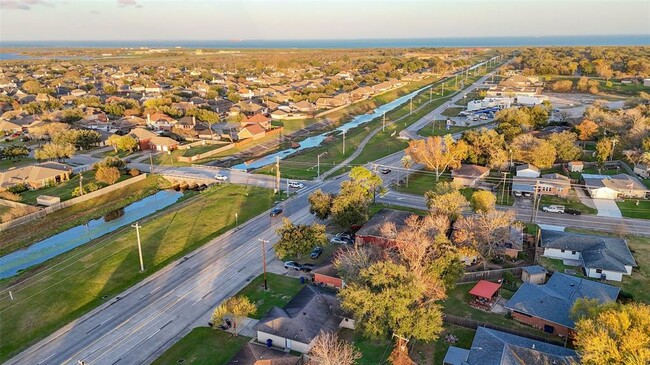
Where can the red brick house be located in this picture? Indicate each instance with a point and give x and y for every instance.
(370, 233)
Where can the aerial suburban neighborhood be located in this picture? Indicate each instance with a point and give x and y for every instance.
(309, 194)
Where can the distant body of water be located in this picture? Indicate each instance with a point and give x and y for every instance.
(592, 40)
(18, 56)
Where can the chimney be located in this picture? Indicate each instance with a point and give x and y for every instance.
(193, 120)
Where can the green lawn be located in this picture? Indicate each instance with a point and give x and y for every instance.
(64, 189)
(5, 164)
(109, 265)
(421, 182)
(572, 202)
(465, 337)
(375, 352)
(470, 96)
(24, 235)
(203, 345)
(559, 266)
(439, 129)
(452, 112)
(193, 151)
(281, 290)
(634, 208)
(170, 159)
(376, 207)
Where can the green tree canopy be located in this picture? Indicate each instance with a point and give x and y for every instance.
(298, 239)
(320, 204)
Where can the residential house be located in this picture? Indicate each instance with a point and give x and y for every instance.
(325, 103)
(534, 274)
(259, 119)
(575, 166)
(614, 186)
(602, 257)
(548, 306)
(7, 126)
(160, 121)
(254, 131)
(370, 233)
(228, 131)
(492, 347)
(642, 170)
(303, 106)
(527, 170)
(148, 140)
(296, 326)
(470, 175)
(258, 354)
(35, 176)
(186, 123)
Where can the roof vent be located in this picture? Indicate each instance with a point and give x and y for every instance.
(304, 313)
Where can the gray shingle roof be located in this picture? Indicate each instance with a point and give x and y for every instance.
(302, 319)
(598, 252)
(553, 301)
(534, 269)
(373, 226)
(492, 347)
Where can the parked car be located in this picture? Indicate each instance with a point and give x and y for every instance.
(292, 265)
(307, 267)
(517, 193)
(276, 211)
(342, 239)
(572, 211)
(554, 208)
(296, 185)
(316, 252)
(385, 170)
(221, 177)
(527, 195)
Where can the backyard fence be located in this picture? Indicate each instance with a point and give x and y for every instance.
(470, 277)
(472, 324)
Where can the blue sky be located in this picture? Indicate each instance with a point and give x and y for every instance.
(309, 19)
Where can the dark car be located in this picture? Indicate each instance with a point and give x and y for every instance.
(316, 252)
(307, 267)
(572, 211)
(292, 265)
(276, 211)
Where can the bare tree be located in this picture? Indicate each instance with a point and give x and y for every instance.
(330, 350)
(400, 354)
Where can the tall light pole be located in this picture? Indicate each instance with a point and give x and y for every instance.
(383, 124)
(344, 142)
(264, 242)
(411, 107)
(137, 233)
(318, 163)
(81, 188)
(236, 220)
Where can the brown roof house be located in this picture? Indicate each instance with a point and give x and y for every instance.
(257, 354)
(470, 175)
(35, 176)
(370, 233)
(254, 131)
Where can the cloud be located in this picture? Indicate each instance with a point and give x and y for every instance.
(94, 12)
(22, 4)
(124, 3)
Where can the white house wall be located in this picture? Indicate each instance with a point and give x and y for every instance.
(558, 254)
(609, 275)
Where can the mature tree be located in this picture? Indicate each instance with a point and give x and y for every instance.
(81, 139)
(48, 130)
(367, 179)
(604, 149)
(107, 175)
(586, 129)
(350, 206)
(298, 239)
(438, 153)
(562, 86)
(512, 122)
(320, 204)
(110, 161)
(616, 334)
(72, 115)
(483, 201)
(484, 231)
(407, 163)
(234, 309)
(14, 152)
(446, 200)
(234, 97)
(565, 146)
(538, 115)
(526, 148)
(400, 354)
(122, 143)
(53, 151)
(352, 261)
(486, 147)
(328, 349)
(388, 298)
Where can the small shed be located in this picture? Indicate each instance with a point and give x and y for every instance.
(575, 166)
(534, 274)
(485, 294)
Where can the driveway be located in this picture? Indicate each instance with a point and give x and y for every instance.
(607, 208)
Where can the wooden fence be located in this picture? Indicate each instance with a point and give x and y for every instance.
(470, 277)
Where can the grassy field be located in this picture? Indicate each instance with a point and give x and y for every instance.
(281, 290)
(73, 283)
(572, 202)
(5, 164)
(452, 112)
(170, 159)
(374, 352)
(465, 337)
(439, 129)
(202, 149)
(559, 266)
(24, 235)
(376, 207)
(203, 345)
(64, 189)
(630, 209)
(421, 182)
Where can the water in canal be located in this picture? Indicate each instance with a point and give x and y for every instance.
(314, 141)
(65, 241)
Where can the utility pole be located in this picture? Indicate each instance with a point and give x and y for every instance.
(533, 214)
(277, 174)
(264, 242)
(431, 94)
(466, 74)
(456, 84)
(150, 163)
(503, 188)
(344, 142)
(383, 124)
(611, 155)
(318, 163)
(411, 107)
(236, 220)
(81, 188)
(137, 233)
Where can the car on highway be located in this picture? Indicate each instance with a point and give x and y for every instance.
(292, 265)
(276, 211)
(527, 195)
(307, 267)
(317, 251)
(517, 194)
(572, 211)
(296, 185)
(342, 239)
(221, 177)
(385, 170)
(554, 208)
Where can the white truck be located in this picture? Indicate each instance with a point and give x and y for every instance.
(554, 209)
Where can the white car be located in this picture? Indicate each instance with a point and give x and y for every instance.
(296, 185)
(221, 177)
(554, 209)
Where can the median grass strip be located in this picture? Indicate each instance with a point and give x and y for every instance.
(26, 234)
(281, 290)
(203, 345)
(48, 296)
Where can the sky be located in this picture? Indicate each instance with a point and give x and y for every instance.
(45, 20)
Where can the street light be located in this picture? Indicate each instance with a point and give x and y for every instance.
(81, 188)
(318, 163)
(137, 232)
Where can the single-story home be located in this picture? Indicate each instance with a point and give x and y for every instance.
(296, 326)
(548, 306)
(614, 186)
(548, 184)
(575, 166)
(492, 347)
(35, 176)
(254, 131)
(258, 354)
(602, 257)
(370, 233)
(470, 175)
(642, 170)
(527, 170)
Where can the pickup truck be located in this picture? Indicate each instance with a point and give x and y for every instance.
(554, 209)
